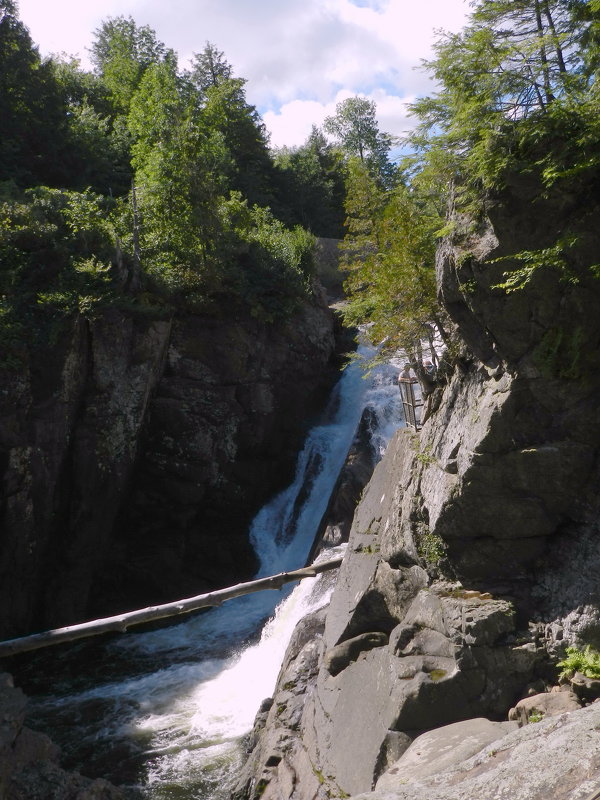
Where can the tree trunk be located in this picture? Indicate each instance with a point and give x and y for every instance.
(135, 281)
(543, 55)
(121, 622)
(559, 53)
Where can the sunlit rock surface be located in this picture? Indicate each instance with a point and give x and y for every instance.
(474, 552)
(558, 757)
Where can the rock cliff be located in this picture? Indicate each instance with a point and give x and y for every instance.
(136, 449)
(29, 768)
(474, 551)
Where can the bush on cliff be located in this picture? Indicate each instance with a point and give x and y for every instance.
(586, 661)
(64, 252)
(518, 97)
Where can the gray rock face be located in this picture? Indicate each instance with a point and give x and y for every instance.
(354, 476)
(475, 547)
(340, 656)
(400, 654)
(443, 749)
(134, 451)
(29, 767)
(558, 758)
(278, 765)
(70, 428)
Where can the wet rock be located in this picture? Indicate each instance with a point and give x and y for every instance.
(47, 781)
(278, 762)
(354, 476)
(29, 768)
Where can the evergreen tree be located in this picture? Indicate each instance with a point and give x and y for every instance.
(32, 112)
(226, 111)
(511, 75)
(311, 185)
(209, 68)
(389, 252)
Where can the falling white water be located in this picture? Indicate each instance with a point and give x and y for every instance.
(170, 720)
(218, 711)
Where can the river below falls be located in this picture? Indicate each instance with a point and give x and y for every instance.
(162, 713)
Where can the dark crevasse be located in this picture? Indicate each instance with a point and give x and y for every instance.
(162, 712)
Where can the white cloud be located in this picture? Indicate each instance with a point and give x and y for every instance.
(290, 125)
(298, 56)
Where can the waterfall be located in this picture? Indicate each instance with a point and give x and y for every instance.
(163, 711)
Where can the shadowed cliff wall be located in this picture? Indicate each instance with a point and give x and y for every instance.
(136, 450)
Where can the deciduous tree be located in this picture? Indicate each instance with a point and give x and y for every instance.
(354, 126)
(32, 111)
(122, 52)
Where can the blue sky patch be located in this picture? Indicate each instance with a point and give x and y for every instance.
(376, 5)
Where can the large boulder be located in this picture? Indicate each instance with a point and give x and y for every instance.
(443, 749)
(558, 757)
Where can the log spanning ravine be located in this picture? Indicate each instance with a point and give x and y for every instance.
(121, 622)
(161, 713)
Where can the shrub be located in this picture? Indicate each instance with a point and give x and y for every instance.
(586, 661)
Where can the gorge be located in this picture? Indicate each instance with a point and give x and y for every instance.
(473, 555)
(182, 408)
(185, 417)
(471, 567)
(170, 711)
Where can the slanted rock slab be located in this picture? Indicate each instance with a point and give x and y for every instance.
(556, 758)
(444, 748)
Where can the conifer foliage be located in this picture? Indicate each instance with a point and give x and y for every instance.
(141, 185)
(517, 93)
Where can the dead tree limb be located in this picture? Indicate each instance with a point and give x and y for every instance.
(121, 622)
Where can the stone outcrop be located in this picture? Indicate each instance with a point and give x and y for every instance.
(354, 476)
(29, 767)
(135, 450)
(547, 704)
(474, 551)
(558, 757)
(399, 654)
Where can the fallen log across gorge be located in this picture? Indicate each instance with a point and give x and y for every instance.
(121, 622)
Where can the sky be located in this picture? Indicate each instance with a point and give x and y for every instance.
(299, 57)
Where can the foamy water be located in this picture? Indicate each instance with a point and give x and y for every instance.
(169, 726)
